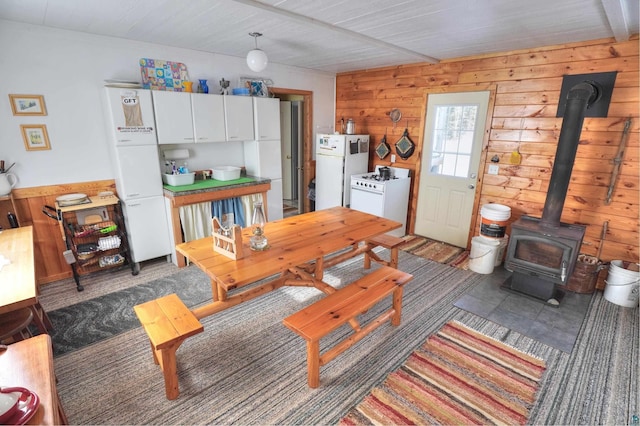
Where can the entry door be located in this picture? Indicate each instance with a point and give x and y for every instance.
(454, 130)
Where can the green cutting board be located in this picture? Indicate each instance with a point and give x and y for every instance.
(208, 184)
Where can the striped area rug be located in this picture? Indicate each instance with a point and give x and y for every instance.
(458, 376)
(437, 251)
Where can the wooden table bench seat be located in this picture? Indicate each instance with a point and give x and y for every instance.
(387, 241)
(335, 310)
(168, 322)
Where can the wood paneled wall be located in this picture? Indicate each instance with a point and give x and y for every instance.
(527, 89)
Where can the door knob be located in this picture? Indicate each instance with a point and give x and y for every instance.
(288, 157)
(471, 186)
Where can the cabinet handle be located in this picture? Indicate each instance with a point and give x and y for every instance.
(134, 205)
(133, 195)
(124, 140)
(233, 137)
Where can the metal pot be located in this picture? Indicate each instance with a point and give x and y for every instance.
(351, 127)
(385, 173)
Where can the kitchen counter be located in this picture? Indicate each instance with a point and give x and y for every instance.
(208, 185)
(209, 190)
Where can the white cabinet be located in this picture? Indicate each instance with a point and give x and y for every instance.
(148, 228)
(266, 114)
(174, 120)
(208, 117)
(130, 118)
(239, 118)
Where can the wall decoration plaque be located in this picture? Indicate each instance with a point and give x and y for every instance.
(383, 149)
(405, 146)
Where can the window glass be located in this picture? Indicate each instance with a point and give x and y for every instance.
(453, 132)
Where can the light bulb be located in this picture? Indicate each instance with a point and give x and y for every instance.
(257, 60)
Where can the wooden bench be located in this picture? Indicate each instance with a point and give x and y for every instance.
(387, 241)
(335, 310)
(168, 322)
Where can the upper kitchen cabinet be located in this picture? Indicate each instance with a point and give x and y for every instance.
(174, 120)
(131, 119)
(208, 117)
(266, 118)
(189, 117)
(239, 118)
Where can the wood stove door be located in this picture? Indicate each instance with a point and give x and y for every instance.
(454, 132)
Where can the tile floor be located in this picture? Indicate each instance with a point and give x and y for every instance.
(554, 326)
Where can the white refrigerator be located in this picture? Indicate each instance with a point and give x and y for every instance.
(337, 158)
(137, 171)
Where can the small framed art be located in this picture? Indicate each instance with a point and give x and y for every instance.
(35, 137)
(28, 105)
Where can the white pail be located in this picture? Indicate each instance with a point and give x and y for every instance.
(622, 285)
(494, 219)
(482, 257)
(502, 248)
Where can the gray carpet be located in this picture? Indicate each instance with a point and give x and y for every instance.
(105, 316)
(247, 368)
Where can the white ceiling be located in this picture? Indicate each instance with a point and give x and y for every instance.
(339, 35)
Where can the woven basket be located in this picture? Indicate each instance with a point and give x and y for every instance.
(585, 274)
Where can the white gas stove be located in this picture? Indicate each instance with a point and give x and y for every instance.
(384, 193)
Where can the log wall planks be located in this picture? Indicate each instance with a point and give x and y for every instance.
(527, 89)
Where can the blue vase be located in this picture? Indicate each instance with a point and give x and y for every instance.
(203, 86)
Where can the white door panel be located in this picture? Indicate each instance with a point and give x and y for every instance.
(329, 181)
(454, 131)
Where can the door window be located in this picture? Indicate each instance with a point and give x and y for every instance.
(453, 135)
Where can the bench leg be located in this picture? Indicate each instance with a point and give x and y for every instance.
(169, 367)
(397, 306)
(394, 258)
(367, 260)
(313, 364)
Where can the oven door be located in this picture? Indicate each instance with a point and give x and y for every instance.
(367, 201)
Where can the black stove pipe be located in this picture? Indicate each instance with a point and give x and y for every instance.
(579, 98)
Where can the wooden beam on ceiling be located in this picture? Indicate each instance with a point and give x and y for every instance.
(615, 15)
(348, 33)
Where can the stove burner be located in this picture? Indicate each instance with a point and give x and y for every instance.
(377, 178)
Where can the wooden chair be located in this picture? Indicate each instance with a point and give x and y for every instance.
(14, 325)
(40, 318)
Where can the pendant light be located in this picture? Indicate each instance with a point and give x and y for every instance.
(256, 58)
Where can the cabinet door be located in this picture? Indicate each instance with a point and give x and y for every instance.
(267, 118)
(138, 172)
(208, 117)
(174, 120)
(147, 227)
(239, 118)
(131, 116)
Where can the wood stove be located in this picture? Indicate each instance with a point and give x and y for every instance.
(542, 253)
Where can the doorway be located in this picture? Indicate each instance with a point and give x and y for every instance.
(454, 133)
(298, 169)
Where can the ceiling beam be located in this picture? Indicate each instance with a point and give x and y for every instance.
(615, 15)
(358, 36)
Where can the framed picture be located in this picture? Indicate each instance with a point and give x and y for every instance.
(28, 105)
(35, 137)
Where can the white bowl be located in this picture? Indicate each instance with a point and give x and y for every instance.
(226, 172)
(178, 180)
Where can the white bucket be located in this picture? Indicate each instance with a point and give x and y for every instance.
(622, 285)
(482, 257)
(502, 247)
(494, 219)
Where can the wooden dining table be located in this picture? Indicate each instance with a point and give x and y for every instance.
(18, 287)
(300, 248)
